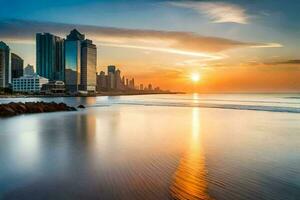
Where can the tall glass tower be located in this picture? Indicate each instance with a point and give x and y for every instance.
(17, 66)
(50, 58)
(88, 66)
(73, 60)
(5, 67)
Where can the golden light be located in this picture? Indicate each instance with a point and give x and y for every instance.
(195, 77)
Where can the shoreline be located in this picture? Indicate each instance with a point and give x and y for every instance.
(82, 95)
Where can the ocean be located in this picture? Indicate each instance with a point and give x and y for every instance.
(185, 146)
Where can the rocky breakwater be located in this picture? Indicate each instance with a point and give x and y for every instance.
(12, 109)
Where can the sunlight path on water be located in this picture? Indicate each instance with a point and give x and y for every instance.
(190, 177)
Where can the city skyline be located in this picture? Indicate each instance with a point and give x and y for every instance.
(252, 49)
(64, 66)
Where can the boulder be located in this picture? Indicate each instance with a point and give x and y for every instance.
(81, 106)
(13, 108)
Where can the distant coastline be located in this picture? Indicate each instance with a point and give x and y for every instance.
(110, 93)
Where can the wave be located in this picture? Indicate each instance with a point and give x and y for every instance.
(241, 101)
(209, 105)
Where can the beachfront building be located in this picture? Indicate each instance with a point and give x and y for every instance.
(5, 67)
(29, 83)
(88, 78)
(17, 66)
(80, 63)
(53, 87)
(73, 60)
(50, 57)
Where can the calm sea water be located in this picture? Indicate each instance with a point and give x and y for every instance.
(222, 147)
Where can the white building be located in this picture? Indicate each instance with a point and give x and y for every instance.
(29, 83)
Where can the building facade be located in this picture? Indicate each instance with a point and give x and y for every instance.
(29, 70)
(17, 66)
(5, 67)
(111, 81)
(73, 60)
(111, 69)
(88, 66)
(29, 83)
(101, 82)
(53, 87)
(50, 58)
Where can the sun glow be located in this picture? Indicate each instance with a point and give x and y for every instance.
(195, 77)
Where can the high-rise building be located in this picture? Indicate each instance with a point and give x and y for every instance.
(141, 87)
(157, 89)
(17, 66)
(111, 81)
(5, 67)
(118, 80)
(150, 87)
(101, 82)
(73, 60)
(29, 70)
(111, 69)
(81, 61)
(127, 83)
(88, 66)
(123, 81)
(50, 58)
(131, 84)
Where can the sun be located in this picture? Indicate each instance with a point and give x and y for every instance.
(195, 77)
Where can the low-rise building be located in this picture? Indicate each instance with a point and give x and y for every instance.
(54, 87)
(29, 83)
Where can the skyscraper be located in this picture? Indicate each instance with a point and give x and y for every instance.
(88, 66)
(17, 65)
(131, 84)
(29, 70)
(73, 60)
(111, 68)
(50, 58)
(111, 83)
(118, 80)
(5, 68)
(101, 82)
(81, 61)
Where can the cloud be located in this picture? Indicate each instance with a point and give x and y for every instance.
(183, 43)
(268, 45)
(218, 12)
(289, 62)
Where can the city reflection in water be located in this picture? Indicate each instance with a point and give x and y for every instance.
(189, 180)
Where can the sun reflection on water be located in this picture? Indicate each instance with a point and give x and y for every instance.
(189, 180)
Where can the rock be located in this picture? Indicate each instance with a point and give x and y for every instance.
(12, 109)
(81, 106)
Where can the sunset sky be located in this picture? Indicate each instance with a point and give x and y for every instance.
(235, 46)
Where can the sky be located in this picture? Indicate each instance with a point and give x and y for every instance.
(234, 46)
